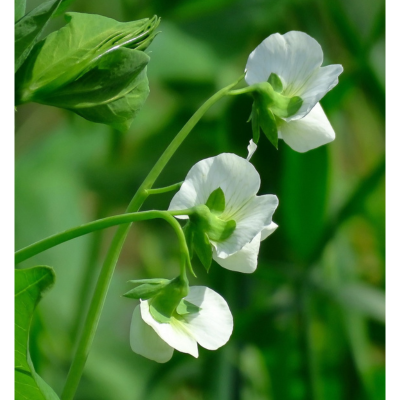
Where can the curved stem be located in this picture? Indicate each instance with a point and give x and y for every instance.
(54, 240)
(111, 259)
(166, 189)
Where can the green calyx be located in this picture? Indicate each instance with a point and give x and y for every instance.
(205, 225)
(270, 106)
(165, 303)
(166, 297)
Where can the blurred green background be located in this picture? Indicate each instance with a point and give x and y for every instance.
(309, 323)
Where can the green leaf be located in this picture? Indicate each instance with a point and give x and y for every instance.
(29, 28)
(29, 287)
(93, 67)
(147, 290)
(216, 201)
(203, 248)
(275, 82)
(186, 307)
(112, 92)
(19, 10)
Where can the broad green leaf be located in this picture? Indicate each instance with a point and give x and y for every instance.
(93, 67)
(67, 54)
(112, 92)
(19, 10)
(186, 307)
(29, 28)
(203, 249)
(216, 201)
(29, 287)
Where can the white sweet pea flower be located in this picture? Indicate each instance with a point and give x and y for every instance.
(245, 260)
(239, 182)
(296, 58)
(210, 326)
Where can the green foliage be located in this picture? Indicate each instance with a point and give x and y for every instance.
(29, 287)
(93, 66)
(216, 201)
(282, 348)
(29, 27)
(19, 9)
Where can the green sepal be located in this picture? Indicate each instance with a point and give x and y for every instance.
(216, 201)
(275, 82)
(281, 106)
(165, 302)
(185, 308)
(148, 289)
(158, 316)
(203, 248)
(28, 28)
(269, 127)
(216, 228)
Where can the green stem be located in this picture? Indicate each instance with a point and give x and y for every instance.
(111, 259)
(166, 189)
(247, 89)
(52, 241)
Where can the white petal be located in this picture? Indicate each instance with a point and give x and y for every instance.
(237, 178)
(212, 326)
(294, 57)
(268, 230)
(251, 148)
(323, 80)
(145, 341)
(245, 260)
(250, 220)
(312, 131)
(174, 333)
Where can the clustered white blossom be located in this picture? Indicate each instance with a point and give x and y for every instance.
(294, 60)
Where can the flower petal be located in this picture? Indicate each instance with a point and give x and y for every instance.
(174, 333)
(237, 178)
(323, 80)
(294, 57)
(245, 260)
(268, 230)
(145, 341)
(312, 131)
(250, 220)
(212, 326)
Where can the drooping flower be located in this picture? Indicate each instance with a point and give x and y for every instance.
(203, 317)
(291, 64)
(236, 182)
